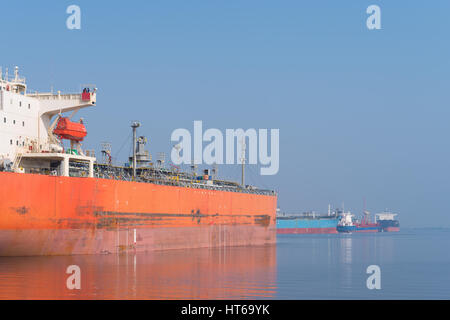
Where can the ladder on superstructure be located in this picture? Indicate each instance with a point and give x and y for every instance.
(17, 160)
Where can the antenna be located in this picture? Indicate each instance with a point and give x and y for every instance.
(177, 148)
(366, 213)
(161, 159)
(243, 161)
(106, 152)
(215, 171)
(194, 167)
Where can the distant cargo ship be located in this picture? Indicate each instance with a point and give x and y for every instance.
(335, 222)
(387, 222)
(308, 222)
(57, 200)
(384, 222)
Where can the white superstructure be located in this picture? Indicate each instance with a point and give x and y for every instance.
(385, 216)
(26, 119)
(346, 219)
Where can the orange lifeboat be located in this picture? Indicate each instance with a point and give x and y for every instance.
(66, 129)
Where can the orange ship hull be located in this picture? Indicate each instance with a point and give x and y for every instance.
(54, 215)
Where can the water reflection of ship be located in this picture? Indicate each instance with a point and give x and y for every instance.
(346, 255)
(231, 273)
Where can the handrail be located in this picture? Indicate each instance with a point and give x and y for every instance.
(12, 79)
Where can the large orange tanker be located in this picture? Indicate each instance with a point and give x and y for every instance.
(59, 201)
(54, 215)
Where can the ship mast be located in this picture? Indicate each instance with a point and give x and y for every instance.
(134, 125)
(243, 162)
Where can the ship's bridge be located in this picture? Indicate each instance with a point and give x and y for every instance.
(52, 104)
(14, 84)
(27, 122)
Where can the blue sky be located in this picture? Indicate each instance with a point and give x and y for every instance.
(362, 114)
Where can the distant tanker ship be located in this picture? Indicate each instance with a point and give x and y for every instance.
(308, 222)
(61, 201)
(335, 222)
(384, 222)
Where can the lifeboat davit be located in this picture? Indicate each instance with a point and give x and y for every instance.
(69, 130)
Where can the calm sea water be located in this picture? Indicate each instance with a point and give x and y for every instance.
(415, 264)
